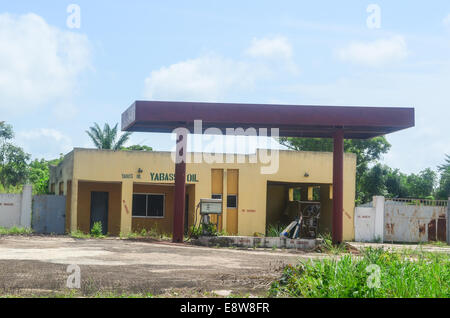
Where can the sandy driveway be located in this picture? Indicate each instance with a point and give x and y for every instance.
(35, 264)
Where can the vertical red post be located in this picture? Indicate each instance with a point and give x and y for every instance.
(180, 189)
(338, 185)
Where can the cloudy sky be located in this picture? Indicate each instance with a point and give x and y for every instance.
(57, 79)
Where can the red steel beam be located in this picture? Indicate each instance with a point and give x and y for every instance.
(338, 186)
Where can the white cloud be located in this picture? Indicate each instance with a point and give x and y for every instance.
(276, 47)
(213, 78)
(375, 53)
(55, 142)
(446, 21)
(207, 78)
(39, 63)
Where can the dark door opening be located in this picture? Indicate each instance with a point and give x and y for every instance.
(99, 209)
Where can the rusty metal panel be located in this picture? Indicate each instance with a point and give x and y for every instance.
(415, 221)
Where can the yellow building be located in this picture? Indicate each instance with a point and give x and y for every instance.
(132, 190)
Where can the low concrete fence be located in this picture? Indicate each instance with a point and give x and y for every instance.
(15, 209)
(257, 242)
(43, 213)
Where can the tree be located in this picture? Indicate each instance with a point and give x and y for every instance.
(106, 138)
(443, 191)
(13, 165)
(367, 152)
(374, 182)
(138, 148)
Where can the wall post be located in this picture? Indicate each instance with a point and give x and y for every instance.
(126, 207)
(25, 206)
(378, 204)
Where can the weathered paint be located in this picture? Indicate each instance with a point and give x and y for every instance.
(49, 214)
(414, 223)
(105, 168)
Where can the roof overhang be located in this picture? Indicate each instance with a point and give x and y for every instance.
(291, 120)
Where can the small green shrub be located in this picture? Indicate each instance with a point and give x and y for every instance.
(96, 230)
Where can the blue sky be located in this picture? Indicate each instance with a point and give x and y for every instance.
(55, 81)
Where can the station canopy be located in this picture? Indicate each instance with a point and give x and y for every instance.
(291, 120)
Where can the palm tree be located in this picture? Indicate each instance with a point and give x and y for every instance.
(106, 138)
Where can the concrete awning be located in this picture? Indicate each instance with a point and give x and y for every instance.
(292, 120)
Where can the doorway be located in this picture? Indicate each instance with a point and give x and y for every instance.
(99, 209)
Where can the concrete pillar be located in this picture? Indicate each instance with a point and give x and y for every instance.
(338, 186)
(25, 206)
(310, 193)
(448, 221)
(74, 206)
(126, 208)
(180, 188)
(378, 204)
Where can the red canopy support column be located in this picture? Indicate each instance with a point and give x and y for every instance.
(338, 185)
(180, 188)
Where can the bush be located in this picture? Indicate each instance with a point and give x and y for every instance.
(96, 230)
(350, 276)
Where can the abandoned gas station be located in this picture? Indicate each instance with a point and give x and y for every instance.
(132, 190)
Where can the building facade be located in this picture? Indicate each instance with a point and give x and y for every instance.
(134, 190)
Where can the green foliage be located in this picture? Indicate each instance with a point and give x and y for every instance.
(13, 165)
(274, 230)
(443, 191)
(106, 138)
(327, 245)
(348, 277)
(96, 230)
(15, 230)
(79, 234)
(138, 148)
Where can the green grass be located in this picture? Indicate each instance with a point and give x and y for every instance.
(401, 275)
(15, 231)
(79, 234)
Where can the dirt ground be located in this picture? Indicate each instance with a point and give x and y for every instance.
(35, 265)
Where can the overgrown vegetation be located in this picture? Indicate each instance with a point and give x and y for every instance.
(152, 233)
(328, 247)
(274, 230)
(376, 273)
(15, 230)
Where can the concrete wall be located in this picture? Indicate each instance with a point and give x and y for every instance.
(100, 166)
(369, 221)
(409, 222)
(15, 209)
